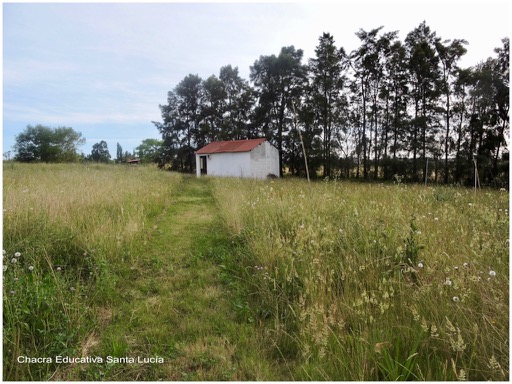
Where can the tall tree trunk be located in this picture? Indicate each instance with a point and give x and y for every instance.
(415, 142)
(459, 142)
(445, 179)
(386, 131)
(376, 149)
(424, 135)
(501, 130)
(280, 124)
(365, 166)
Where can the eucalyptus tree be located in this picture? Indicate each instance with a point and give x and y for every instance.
(170, 152)
(189, 92)
(461, 85)
(212, 108)
(327, 84)
(478, 147)
(501, 96)
(362, 60)
(489, 115)
(181, 119)
(381, 95)
(396, 89)
(368, 67)
(100, 152)
(449, 53)
(279, 81)
(310, 134)
(239, 102)
(425, 82)
(354, 146)
(119, 154)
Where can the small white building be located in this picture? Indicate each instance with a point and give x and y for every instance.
(255, 158)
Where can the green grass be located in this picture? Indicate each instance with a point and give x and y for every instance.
(229, 279)
(375, 282)
(172, 303)
(126, 264)
(74, 227)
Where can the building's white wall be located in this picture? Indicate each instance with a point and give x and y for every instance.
(264, 160)
(261, 161)
(236, 164)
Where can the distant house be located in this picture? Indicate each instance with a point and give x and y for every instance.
(133, 161)
(255, 158)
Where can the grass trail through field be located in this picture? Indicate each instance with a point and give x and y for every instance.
(172, 303)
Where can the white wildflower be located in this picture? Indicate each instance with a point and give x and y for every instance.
(420, 265)
(455, 299)
(448, 282)
(31, 268)
(17, 254)
(14, 260)
(492, 273)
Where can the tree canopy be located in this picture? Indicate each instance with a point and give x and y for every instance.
(149, 151)
(100, 152)
(45, 144)
(387, 108)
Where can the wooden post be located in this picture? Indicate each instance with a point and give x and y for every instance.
(477, 181)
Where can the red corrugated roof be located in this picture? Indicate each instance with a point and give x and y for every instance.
(230, 146)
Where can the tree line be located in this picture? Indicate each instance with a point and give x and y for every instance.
(41, 143)
(389, 108)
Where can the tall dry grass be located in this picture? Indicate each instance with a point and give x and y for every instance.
(68, 229)
(375, 282)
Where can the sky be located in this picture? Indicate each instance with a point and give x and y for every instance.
(103, 69)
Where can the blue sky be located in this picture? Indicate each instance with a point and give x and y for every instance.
(103, 69)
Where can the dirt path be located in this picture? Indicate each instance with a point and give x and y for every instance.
(174, 307)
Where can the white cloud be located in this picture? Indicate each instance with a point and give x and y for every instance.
(112, 64)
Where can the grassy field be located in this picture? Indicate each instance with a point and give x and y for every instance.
(119, 263)
(226, 279)
(68, 233)
(375, 282)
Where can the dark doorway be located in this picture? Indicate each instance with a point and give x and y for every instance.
(202, 164)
